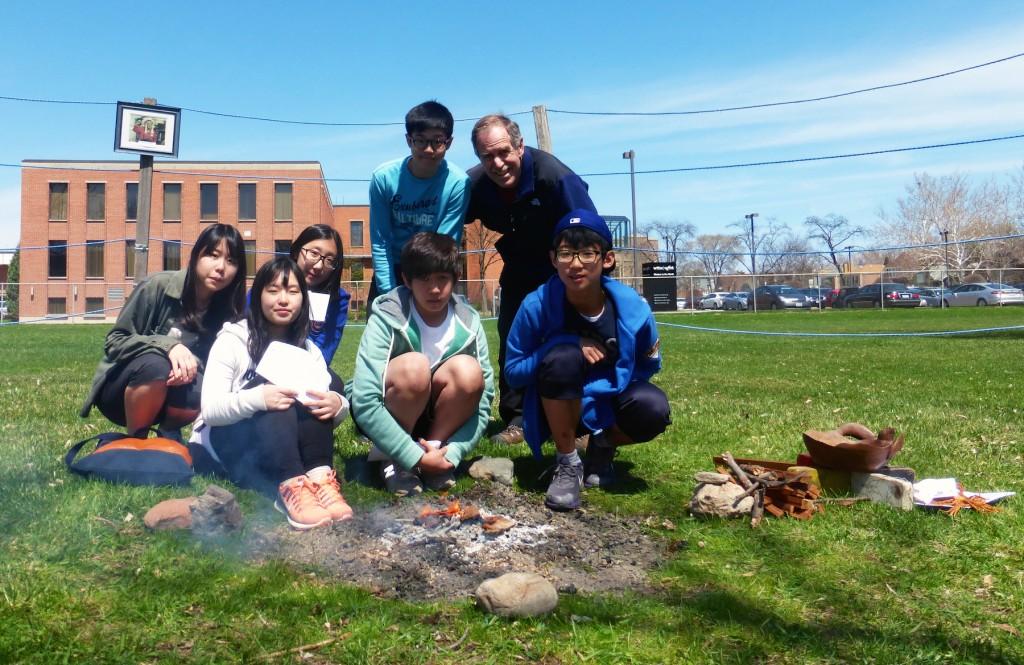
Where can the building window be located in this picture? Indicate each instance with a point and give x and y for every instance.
(58, 258)
(56, 306)
(131, 201)
(129, 258)
(94, 308)
(172, 255)
(94, 258)
(355, 235)
(58, 201)
(282, 202)
(247, 202)
(282, 247)
(355, 270)
(95, 201)
(208, 201)
(172, 201)
(250, 257)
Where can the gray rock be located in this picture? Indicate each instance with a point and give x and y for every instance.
(712, 478)
(880, 488)
(498, 469)
(717, 500)
(215, 512)
(170, 514)
(517, 595)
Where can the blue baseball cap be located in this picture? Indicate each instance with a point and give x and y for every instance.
(584, 218)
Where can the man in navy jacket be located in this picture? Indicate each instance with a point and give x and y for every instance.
(522, 193)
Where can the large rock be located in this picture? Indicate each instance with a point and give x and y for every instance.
(517, 595)
(215, 512)
(498, 469)
(170, 514)
(717, 500)
(879, 488)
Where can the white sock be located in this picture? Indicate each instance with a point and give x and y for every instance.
(319, 473)
(571, 458)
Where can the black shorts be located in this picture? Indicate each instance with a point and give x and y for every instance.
(147, 368)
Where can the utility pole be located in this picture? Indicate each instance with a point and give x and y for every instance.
(145, 204)
(540, 123)
(631, 156)
(945, 266)
(753, 269)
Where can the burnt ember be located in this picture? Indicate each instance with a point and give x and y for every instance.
(444, 549)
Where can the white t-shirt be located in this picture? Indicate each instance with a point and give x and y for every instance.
(435, 339)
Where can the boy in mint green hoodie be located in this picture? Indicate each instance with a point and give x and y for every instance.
(422, 386)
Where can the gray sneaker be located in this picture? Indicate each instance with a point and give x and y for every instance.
(598, 470)
(439, 481)
(398, 481)
(564, 490)
(509, 436)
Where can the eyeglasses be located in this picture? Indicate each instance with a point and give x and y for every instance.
(586, 256)
(315, 257)
(420, 143)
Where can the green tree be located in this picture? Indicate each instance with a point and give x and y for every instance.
(12, 285)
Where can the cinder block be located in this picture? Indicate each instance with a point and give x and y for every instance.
(880, 488)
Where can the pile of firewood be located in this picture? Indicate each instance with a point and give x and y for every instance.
(775, 491)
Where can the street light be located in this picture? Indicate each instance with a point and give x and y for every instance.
(631, 156)
(753, 271)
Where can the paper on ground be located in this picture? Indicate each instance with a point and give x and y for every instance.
(927, 490)
(289, 366)
(318, 306)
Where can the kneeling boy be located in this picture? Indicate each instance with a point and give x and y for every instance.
(422, 386)
(584, 348)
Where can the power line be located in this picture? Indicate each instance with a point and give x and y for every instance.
(792, 101)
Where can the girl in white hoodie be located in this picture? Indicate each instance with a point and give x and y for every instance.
(262, 436)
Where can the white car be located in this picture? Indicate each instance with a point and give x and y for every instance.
(980, 295)
(720, 300)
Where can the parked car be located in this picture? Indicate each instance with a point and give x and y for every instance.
(874, 295)
(929, 297)
(989, 293)
(779, 296)
(744, 297)
(682, 303)
(837, 298)
(815, 296)
(720, 300)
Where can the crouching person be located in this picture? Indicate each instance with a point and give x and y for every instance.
(261, 436)
(422, 386)
(584, 348)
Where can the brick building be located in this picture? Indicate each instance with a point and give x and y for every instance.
(78, 223)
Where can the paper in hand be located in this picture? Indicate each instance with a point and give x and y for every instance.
(292, 367)
(318, 306)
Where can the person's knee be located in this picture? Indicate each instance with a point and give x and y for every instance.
(179, 417)
(463, 373)
(560, 374)
(643, 412)
(147, 369)
(409, 374)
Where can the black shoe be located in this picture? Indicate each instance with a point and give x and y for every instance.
(598, 468)
(564, 490)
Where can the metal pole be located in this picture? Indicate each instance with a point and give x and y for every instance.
(753, 269)
(945, 267)
(631, 156)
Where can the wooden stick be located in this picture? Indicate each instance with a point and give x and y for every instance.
(757, 512)
(459, 641)
(741, 476)
(305, 647)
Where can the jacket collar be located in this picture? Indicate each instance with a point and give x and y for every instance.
(176, 284)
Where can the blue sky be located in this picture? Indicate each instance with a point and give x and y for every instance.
(369, 62)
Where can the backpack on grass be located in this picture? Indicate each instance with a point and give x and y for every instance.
(119, 458)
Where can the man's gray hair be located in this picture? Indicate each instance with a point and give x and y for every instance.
(493, 120)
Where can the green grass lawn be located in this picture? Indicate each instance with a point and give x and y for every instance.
(83, 581)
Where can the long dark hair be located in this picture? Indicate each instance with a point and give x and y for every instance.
(259, 329)
(228, 304)
(332, 285)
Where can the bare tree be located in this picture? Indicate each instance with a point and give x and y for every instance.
(715, 252)
(795, 257)
(835, 232)
(479, 240)
(764, 245)
(674, 236)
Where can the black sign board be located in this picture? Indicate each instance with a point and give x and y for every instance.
(660, 285)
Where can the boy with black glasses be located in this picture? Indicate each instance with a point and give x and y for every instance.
(419, 192)
(584, 348)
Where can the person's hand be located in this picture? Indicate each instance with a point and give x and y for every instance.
(323, 406)
(184, 366)
(278, 398)
(593, 352)
(433, 460)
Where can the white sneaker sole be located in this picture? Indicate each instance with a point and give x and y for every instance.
(301, 526)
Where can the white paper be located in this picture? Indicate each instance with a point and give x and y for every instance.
(928, 490)
(318, 306)
(292, 367)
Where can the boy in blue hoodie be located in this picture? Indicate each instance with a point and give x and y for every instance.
(584, 347)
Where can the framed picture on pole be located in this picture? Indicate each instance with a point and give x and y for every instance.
(147, 130)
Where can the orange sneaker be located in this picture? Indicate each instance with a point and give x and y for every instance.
(328, 494)
(297, 500)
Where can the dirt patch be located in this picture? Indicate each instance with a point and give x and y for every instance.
(384, 551)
